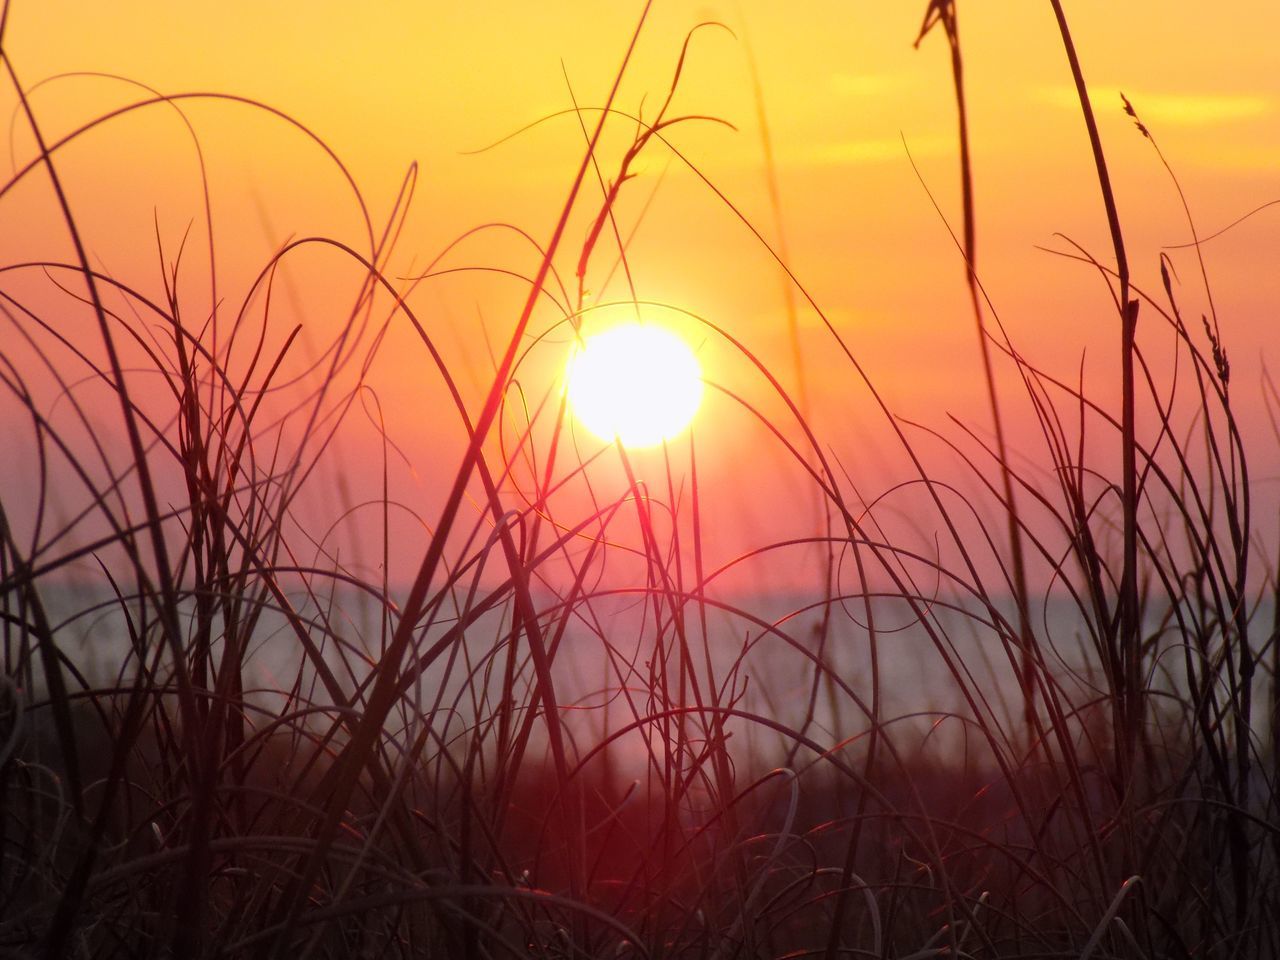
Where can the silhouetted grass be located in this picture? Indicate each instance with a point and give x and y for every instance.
(562, 733)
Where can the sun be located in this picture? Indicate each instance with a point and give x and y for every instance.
(638, 383)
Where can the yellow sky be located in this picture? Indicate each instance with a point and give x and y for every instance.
(388, 84)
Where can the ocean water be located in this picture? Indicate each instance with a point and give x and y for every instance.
(925, 671)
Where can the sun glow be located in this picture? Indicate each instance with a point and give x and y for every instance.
(640, 384)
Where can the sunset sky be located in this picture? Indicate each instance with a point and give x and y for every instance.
(845, 96)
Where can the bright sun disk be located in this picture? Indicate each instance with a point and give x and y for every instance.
(638, 383)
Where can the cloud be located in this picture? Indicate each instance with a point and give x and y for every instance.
(1246, 158)
(874, 150)
(1158, 110)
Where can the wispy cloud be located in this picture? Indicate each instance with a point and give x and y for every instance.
(1247, 158)
(873, 150)
(1169, 109)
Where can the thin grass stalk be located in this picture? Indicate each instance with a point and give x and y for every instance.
(824, 521)
(944, 12)
(1128, 683)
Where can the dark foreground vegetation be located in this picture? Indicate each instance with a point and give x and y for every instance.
(284, 753)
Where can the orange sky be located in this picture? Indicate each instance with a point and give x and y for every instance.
(391, 84)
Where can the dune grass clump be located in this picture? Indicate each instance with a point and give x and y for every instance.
(561, 732)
